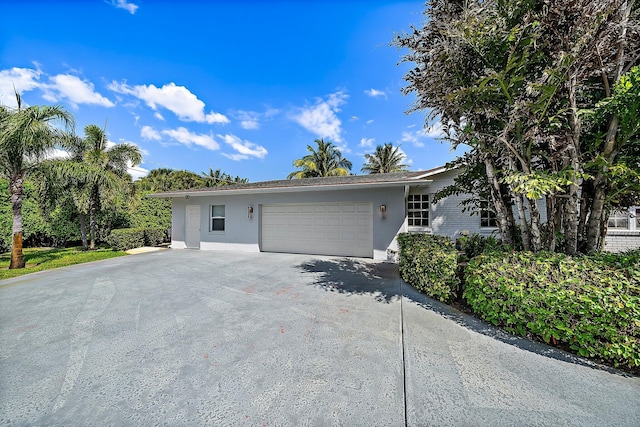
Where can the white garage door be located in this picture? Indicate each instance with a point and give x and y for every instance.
(344, 229)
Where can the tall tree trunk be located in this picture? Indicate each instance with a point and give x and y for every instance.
(553, 224)
(16, 186)
(522, 222)
(502, 214)
(570, 214)
(597, 218)
(536, 236)
(83, 230)
(93, 201)
(586, 199)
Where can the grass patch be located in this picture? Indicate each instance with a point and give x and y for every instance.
(39, 259)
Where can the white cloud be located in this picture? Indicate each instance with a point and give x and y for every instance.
(321, 117)
(137, 172)
(177, 99)
(245, 149)
(250, 120)
(62, 86)
(367, 142)
(417, 137)
(158, 116)
(250, 124)
(188, 138)
(405, 159)
(436, 130)
(23, 79)
(414, 138)
(75, 90)
(123, 4)
(370, 121)
(57, 153)
(374, 93)
(147, 132)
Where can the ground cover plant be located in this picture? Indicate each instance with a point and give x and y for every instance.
(428, 263)
(589, 305)
(40, 259)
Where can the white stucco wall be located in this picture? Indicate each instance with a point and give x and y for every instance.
(243, 234)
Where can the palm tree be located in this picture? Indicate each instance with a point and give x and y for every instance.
(385, 159)
(327, 160)
(216, 178)
(27, 135)
(96, 173)
(157, 180)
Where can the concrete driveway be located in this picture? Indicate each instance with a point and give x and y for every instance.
(216, 338)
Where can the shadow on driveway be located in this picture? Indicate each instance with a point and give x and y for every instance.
(382, 281)
(354, 277)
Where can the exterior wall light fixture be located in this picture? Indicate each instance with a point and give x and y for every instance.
(383, 210)
(250, 212)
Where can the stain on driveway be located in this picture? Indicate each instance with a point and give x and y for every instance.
(219, 338)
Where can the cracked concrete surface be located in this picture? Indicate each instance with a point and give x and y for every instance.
(219, 338)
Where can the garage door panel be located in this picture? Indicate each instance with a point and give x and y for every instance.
(344, 229)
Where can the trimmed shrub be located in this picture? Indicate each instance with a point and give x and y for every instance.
(429, 263)
(587, 304)
(153, 236)
(477, 244)
(124, 239)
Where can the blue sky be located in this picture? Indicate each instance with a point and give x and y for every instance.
(239, 85)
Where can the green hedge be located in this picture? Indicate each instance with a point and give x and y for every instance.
(128, 238)
(123, 239)
(429, 263)
(153, 236)
(588, 304)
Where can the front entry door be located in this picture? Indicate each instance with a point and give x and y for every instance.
(192, 227)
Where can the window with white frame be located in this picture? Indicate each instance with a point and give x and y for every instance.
(418, 210)
(619, 220)
(217, 218)
(487, 216)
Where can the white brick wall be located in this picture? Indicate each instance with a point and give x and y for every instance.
(620, 241)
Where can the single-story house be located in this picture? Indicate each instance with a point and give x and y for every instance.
(357, 216)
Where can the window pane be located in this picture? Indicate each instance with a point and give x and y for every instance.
(638, 218)
(217, 210)
(218, 225)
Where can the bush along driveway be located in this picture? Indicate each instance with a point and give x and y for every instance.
(220, 338)
(586, 305)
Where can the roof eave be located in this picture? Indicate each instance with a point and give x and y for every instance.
(296, 189)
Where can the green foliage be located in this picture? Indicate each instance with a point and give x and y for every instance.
(123, 239)
(54, 228)
(588, 304)
(151, 213)
(153, 236)
(477, 244)
(385, 159)
(429, 263)
(47, 259)
(327, 160)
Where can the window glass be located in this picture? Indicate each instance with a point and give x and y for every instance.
(217, 218)
(217, 211)
(487, 216)
(418, 210)
(619, 219)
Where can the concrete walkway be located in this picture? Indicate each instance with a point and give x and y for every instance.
(213, 338)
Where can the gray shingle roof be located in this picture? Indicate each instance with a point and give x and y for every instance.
(356, 180)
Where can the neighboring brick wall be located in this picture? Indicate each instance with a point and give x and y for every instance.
(619, 241)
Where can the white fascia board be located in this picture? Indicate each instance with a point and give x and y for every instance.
(431, 173)
(300, 189)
